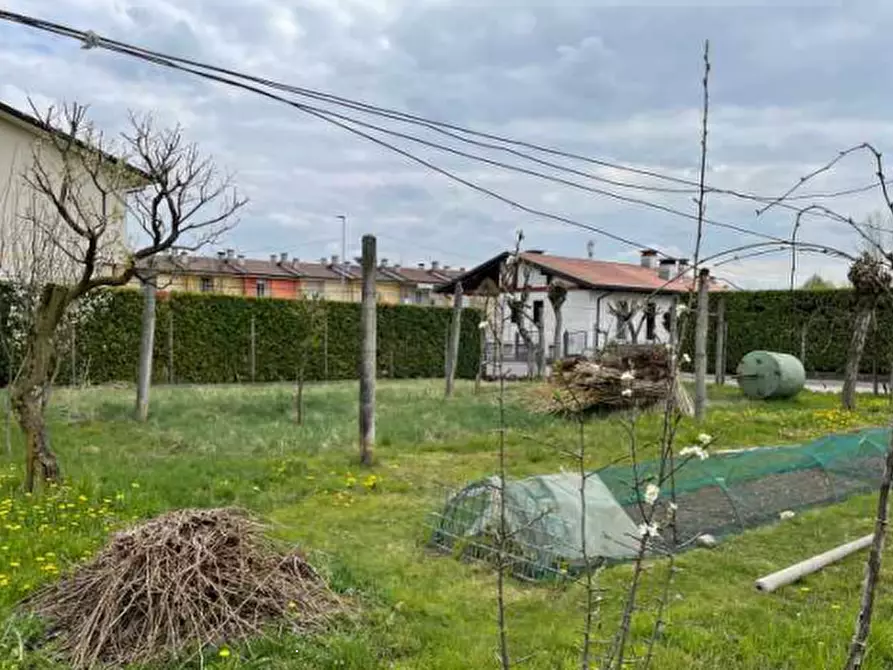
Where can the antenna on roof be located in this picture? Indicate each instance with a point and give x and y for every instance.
(590, 249)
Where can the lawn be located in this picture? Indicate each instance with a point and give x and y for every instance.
(212, 446)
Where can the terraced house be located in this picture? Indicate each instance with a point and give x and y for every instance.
(229, 273)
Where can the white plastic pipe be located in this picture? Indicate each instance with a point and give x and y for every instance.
(776, 580)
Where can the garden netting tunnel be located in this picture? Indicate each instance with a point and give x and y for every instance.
(726, 493)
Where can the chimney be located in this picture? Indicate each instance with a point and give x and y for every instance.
(461, 269)
(273, 259)
(435, 266)
(221, 255)
(241, 259)
(446, 267)
(230, 253)
(421, 266)
(648, 258)
(665, 269)
(184, 253)
(334, 259)
(682, 265)
(283, 257)
(323, 260)
(383, 263)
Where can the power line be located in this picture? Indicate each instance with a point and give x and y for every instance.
(346, 122)
(91, 39)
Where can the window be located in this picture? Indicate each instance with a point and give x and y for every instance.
(310, 289)
(650, 321)
(207, 284)
(538, 312)
(261, 288)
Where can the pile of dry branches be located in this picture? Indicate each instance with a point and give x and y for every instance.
(621, 376)
(179, 583)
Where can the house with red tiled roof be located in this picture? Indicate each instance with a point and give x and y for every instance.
(605, 301)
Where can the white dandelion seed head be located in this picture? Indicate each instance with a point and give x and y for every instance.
(652, 492)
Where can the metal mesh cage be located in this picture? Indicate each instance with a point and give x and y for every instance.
(732, 491)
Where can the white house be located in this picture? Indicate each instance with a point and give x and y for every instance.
(605, 301)
(28, 222)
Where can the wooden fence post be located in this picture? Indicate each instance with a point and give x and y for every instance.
(147, 343)
(74, 355)
(170, 343)
(453, 346)
(368, 318)
(252, 352)
(701, 344)
(720, 365)
(325, 346)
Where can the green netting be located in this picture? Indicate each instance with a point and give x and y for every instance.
(725, 493)
(542, 520)
(731, 491)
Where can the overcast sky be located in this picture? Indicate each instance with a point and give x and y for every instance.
(792, 84)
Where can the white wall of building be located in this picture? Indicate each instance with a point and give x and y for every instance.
(584, 313)
(20, 238)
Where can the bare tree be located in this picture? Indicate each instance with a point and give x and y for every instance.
(81, 186)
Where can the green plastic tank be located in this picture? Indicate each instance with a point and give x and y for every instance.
(768, 374)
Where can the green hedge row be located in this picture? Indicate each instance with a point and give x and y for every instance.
(813, 325)
(208, 340)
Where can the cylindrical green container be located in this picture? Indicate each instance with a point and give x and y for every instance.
(768, 374)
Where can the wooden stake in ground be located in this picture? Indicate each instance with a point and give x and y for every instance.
(701, 344)
(720, 371)
(252, 352)
(147, 344)
(872, 567)
(455, 332)
(368, 324)
(170, 343)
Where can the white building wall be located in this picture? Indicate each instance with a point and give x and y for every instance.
(586, 316)
(20, 239)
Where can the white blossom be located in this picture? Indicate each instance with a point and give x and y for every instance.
(673, 506)
(681, 309)
(627, 376)
(787, 514)
(695, 451)
(652, 491)
(686, 358)
(649, 529)
(705, 439)
(626, 393)
(482, 325)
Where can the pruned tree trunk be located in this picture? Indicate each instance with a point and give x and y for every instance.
(557, 297)
(29, 392)
(872, 568)
(854, 356)
(701, 325)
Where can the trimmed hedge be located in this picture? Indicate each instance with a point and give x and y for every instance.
(785, 321)
(212, 335)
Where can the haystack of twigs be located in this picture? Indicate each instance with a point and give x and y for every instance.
(621, 376)
(178, 584)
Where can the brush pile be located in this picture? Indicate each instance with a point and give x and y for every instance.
(621, 376)
(177, 584)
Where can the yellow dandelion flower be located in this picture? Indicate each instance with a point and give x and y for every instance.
(82, 498)
(224, 653)
(14, 564)
(134, 485)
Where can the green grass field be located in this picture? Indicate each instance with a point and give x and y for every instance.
(239, 446)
